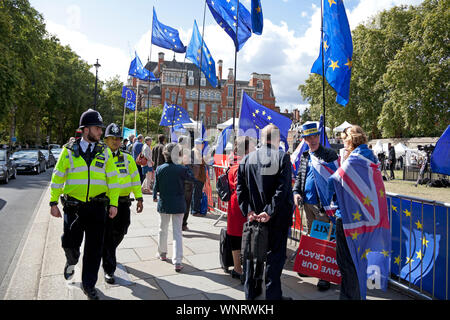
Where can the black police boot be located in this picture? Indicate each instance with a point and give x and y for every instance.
(91, 293)
(69, 271)
(109, 278)
(323, 285)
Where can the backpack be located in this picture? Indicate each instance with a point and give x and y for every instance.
(223, 188)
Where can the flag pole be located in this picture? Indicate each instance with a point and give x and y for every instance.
(149, 82)
(323, 71)
(123, 119)
(200, 67)
(135, 109)
(178, 92)
(235, 66)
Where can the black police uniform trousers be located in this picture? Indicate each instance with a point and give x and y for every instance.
(276, 257)
(115, 231)
(349, 278)
(87, 219)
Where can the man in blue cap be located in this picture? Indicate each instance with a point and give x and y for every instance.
(305, 188)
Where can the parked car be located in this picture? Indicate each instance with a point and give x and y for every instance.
(7, 166)
(49, 158)
(29, 161)
(56, 152)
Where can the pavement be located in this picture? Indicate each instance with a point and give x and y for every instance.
(140, 275)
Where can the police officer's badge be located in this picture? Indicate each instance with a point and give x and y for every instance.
(115, 129)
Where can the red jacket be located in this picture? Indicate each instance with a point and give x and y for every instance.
(235, 219)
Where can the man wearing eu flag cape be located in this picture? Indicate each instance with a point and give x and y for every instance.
(363, 241)
(311, 184)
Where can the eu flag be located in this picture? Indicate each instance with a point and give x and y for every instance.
(137, 70)
(173, 115)
(225, 12)
(128, 94)
(255, 117)
(166, 37)
(361, 196)
(257, 17)
(130, 105)
(323, 134)
(196, 52)
(338, 47)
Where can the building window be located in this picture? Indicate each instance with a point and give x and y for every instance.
(191, 81)
(202, 107)
(230, 91)
(174, 97)
(180, 101)
(190, 107)
(259, 85)
(230, 103)
(203, 82)
(206, 94)
(259, 96)
(218, 96)
(214, 107)
(167, 94)
(190, 73)
(213, 120)
(187, 94)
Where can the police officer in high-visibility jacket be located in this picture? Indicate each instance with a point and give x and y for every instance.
(86, 176)
(129, 181)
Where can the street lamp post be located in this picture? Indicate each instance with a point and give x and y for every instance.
(96, 65)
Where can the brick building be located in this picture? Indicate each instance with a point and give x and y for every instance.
(179, 84)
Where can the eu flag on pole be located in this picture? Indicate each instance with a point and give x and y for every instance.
(166, 37)
(323, 134)
(173, 115)
(225, 12)
(128, 94)
(254, 117)
(130, 105)
(362, 202)
(257, 17)
(197, 52)
(137, 70)
(338, 47)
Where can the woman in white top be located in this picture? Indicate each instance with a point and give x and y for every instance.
(147, 170)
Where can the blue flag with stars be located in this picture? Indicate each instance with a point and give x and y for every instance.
(128, 94)
(137, 70)
(257, 17)
(196, 52)
(225, 12)
(166, 37)
(338, 47)
(130, 105)
(254, 117)
(173, 115)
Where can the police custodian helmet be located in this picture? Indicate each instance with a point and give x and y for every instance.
(91, 118)
(113, 130)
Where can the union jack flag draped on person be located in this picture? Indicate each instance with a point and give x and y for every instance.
(322, 172)
(362, 200)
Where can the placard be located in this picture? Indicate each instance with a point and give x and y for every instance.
(317, 258)
(320, 230)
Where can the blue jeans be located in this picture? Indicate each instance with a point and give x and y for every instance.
(197, 193)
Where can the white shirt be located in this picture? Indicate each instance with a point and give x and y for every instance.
(84, 145)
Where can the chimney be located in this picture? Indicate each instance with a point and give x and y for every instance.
(220, 64)
(160, 61)
(230, 74)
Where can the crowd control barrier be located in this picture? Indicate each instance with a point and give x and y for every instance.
(419, 240)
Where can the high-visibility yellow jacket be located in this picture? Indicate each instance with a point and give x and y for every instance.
(128, 173)
(74, 178)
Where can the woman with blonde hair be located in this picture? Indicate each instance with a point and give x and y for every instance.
(359, 190)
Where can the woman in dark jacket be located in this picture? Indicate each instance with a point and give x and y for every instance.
(235, 218)
(169, 183)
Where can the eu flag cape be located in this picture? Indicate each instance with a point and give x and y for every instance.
(362, 202)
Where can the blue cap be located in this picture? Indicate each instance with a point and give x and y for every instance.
(309, 129)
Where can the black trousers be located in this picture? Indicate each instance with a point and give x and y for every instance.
(141, 175)
(115, 231)
(86, 220)
(349, 283)
(392, 167)
(188, 187)
(276, 257)
(197, 193)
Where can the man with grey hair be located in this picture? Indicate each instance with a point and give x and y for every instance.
(265, 195)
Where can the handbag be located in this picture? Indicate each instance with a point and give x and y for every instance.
(223, 187)
(255, 241)
(141, 160)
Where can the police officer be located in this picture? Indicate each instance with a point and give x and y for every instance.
(129, 181)
(86, 177)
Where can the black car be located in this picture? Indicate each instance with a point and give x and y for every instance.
(29, 161)
(7, 166)
(49, 158)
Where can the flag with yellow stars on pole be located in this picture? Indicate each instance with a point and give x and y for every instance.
(166, 37)
(254, 117)
(199, 54)
(173, 115)
(257, 17)
(338, 48)
(361, 198)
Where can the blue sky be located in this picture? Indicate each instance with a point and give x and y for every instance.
(111, 30)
